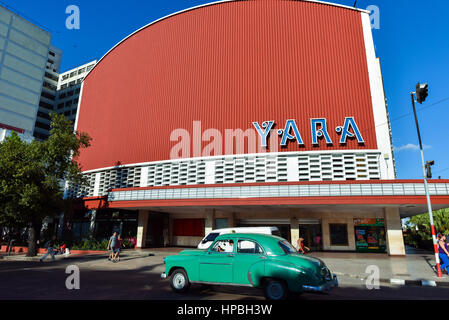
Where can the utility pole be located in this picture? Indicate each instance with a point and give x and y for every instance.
(421, 94)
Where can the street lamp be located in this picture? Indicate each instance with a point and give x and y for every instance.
(421, 94)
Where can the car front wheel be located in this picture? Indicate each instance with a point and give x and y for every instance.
(179, 281)
(275, 290)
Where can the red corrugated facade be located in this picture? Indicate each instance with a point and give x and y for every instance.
(227, 65)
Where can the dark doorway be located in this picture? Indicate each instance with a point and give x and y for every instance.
(312, 236)
(157, 223)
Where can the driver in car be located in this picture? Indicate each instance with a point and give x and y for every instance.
(228, 247)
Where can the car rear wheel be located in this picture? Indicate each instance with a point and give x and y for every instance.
(275, 290)
(179, 281)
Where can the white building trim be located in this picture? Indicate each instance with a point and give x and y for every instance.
(382, 127)
(275, 191)
(245, 168)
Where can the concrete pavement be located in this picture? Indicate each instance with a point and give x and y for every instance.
(413, 268)
(137, 277)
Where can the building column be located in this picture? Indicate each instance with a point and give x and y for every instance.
(395, 239)
(294, 228)
(209, 225)
(142, 225)
(170, 230)
(231, 220)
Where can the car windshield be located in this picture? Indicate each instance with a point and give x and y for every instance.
(210, 237)
(287, 247)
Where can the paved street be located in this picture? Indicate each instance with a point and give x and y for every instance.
(137, 276)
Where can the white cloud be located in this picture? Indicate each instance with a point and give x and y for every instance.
(410, 146)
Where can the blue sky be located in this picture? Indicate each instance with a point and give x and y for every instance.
(412, 42)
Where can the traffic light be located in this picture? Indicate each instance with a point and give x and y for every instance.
(422, 91)
(429, 164)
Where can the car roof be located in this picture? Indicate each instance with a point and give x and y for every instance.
(268, 241)
(240, 228)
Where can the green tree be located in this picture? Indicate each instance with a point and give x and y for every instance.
(418, 227)
(32, 176)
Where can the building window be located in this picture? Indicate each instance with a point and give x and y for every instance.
(47, 95)
(62, 96)
(43, 115)
(81, 70)
(90, 67)
(64, 86)
(40, 136)
(65, 77)
(74, 111)
(188, 227)
(68, 103)
(42, 125)
(49, 86)
(45, 105)
(221, 223)
(72, 74)
(75, 100)
(77, 90)
(61, 105)
(67, 113)
(338, 234)
(50, 76)
(72, 83)
(52, 53)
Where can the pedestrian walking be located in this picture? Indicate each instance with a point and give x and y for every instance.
(118, 248)
(50, 250)
(301, 247)
(443, 252)
(111, 245)
(318, 241)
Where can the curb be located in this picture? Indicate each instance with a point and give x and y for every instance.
(74, 255)
(402, 282)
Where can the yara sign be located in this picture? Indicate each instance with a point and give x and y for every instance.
(318, 127)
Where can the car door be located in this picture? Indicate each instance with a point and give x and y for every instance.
(248, 252)
(216, 265)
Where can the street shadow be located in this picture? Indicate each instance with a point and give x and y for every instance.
(142, 281)
(431, 265)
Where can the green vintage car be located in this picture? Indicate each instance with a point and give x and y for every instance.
(257, 260)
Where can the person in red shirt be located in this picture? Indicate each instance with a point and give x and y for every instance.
(117, 248)
(301, 247)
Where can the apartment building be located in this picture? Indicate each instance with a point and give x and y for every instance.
(24, 55)
(48, 96)
(69, 90)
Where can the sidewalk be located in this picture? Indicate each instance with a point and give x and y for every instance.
(415, 268)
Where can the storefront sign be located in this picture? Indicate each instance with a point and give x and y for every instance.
(372, 222)
(369, 234)
(318, 127)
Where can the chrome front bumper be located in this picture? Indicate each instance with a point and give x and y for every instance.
(324, 287)
(163, 275)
